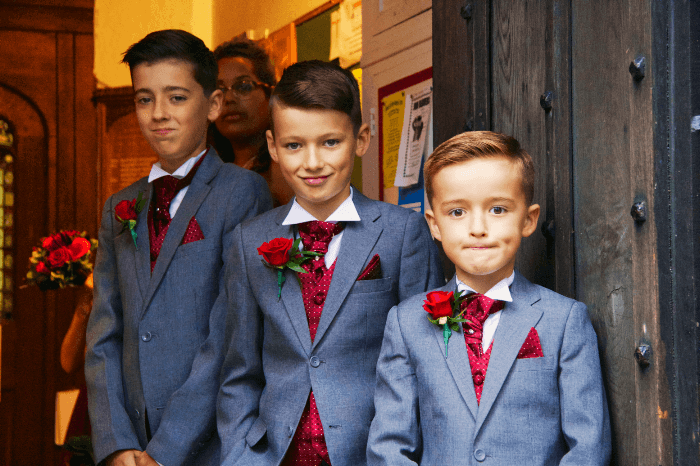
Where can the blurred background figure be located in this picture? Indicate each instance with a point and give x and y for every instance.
(247, 77)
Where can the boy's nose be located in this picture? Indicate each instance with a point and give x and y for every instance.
(477, 225)
(160, 111)
(312, 159)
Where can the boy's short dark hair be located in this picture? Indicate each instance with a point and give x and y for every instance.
(245, 48)
(176, 44)
(476, 145)
(317, 84)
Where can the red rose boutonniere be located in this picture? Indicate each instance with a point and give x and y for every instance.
(126, 213)
(284, 252)
(443, 310)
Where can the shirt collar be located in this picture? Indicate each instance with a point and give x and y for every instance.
(499, 291)
(158, 172)
(346, 212)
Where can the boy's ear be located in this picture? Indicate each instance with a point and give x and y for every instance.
(363, 137)
(432, 224)
(216, 104)
(271, 145)
(533, 214)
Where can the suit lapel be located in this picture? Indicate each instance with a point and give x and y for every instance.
(358, 240)
(457, 358)
(142, 256)
(197, 192)
(291, 290)
(516, 321)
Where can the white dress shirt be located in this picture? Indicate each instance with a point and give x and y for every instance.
(499, 291)
(346, 212)
(158, 172)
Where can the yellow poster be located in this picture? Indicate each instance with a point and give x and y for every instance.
(392, 122)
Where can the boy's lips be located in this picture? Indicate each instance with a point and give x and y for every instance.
(233, 116)
(163, 131)
(315, 180)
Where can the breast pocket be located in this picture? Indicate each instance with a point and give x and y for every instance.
(372, 286)
(532, 364)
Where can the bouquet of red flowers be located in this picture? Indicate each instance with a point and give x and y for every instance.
(62, 259)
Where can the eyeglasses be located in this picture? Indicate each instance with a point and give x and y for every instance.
(243, 88)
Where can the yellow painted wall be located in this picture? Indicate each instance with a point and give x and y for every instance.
(232, 17)
(120, 24)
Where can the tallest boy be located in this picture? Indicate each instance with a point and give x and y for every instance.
(155, 336)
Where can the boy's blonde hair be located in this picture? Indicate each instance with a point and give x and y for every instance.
(476, 145)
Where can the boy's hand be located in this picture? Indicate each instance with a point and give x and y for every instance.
(123, 458)
(144, 459)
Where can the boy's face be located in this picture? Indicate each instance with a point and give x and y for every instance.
(172, 110)
(480, 214)
(316, 151)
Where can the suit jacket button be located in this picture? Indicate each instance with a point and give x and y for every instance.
(480, 455)
(315, 362)
(146, 336)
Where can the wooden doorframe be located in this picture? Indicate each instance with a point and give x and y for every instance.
(677, 211)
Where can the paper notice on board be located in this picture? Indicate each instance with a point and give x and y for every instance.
(392, 122)
(413, 136)
(349, 33)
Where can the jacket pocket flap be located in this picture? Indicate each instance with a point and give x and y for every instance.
(256, 432)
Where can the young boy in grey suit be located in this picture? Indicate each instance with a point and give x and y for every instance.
(488, 369)
(155, 336)
(304, 329)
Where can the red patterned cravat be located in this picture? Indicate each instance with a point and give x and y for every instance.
(478, 308)
(165, 189)
(308, 447)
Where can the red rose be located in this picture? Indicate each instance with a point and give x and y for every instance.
(41, 268)
(125, 211)
(439, 304)
(50, 243)
(59, 257)
(276, 252)
(78, 248)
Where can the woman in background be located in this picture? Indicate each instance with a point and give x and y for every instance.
(247, 77)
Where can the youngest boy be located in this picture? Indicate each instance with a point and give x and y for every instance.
(519, 381)
(299, 376)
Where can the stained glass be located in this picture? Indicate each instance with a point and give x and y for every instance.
(8, 219)
(8, 283)
(8, 158)
(8, 241)
(9, 199)
(8, 303)
(9, 178)
(8, 262)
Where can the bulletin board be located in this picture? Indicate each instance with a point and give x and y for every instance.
(390, 121)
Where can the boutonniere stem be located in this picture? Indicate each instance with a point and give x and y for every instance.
(281, 253)
(443, 310)
(126, 213)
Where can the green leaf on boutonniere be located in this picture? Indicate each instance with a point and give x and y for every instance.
(281, 253)
(443, 311)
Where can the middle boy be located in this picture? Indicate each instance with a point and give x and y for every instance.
(299, 376)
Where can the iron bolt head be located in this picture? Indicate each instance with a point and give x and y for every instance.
(639, 211)
(466, 11)
(638, 68)
(643, 355)
(546, 100)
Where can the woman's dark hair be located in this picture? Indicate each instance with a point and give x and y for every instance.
(180, 45)
(242, 47)
(322, 85)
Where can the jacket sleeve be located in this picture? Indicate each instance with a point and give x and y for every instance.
(111, 427)
(242, 378)
(421, 269)
(394, 436)
(584, 409)
(188, 421)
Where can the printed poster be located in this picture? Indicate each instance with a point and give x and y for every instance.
(413, 137)
(392, 125)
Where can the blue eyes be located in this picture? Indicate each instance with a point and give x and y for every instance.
(293, 146)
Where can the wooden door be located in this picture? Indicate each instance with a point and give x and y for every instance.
(615, 177)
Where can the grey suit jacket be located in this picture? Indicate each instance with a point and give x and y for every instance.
(272, 365)
(156, 341)
(540, 411)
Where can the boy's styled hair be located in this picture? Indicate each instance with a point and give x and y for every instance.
(245, 48)
(176, 44)
(480, 144)
(317, 84)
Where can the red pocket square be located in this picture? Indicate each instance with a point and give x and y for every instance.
(531, 348)
(373, 270)
(193, 232)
